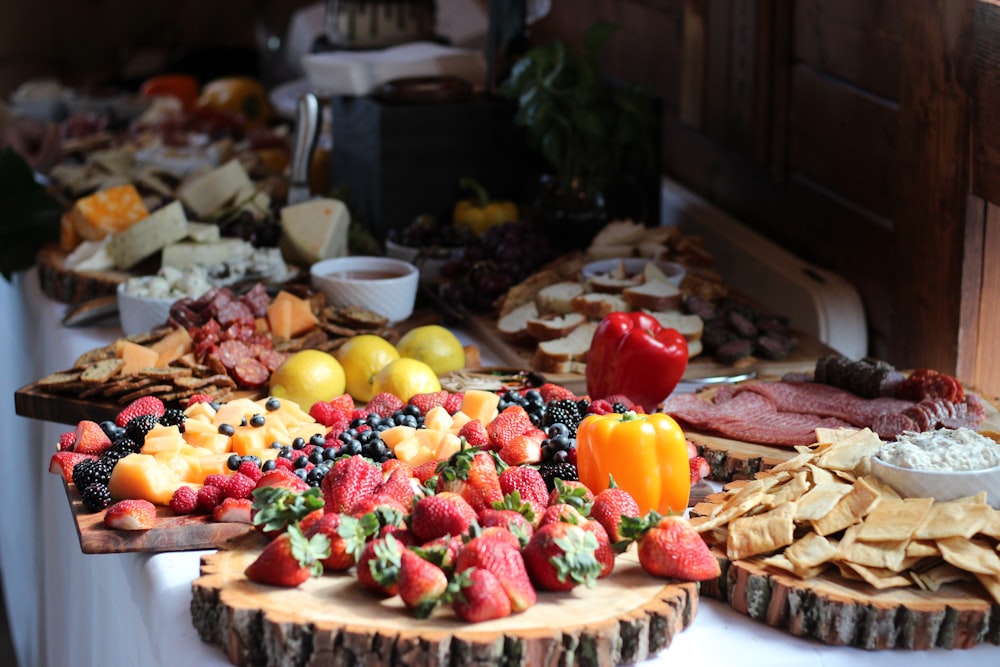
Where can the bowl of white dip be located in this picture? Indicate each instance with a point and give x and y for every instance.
(943, 464)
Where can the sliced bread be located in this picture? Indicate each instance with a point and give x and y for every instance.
(598, 305)
(563, 355)
(525, 291)
(660, 295)
(690, 326)
(557, 299)
(513, 326)
(549, 327)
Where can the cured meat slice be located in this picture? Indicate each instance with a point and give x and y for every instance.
(920, 414)
(826, 401)
(890, 427)
(231, 352)
(234, 312)
(257, 300)
(250, 373)
(272, 359)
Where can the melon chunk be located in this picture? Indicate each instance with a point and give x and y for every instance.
(204, 435)
(143, 476)
(437, 418)
(288, 316)
(172, 347)
(136, 357)
(163, 439)
(481, 405)
(394, 435)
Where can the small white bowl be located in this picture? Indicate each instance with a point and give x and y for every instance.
(429, 259)
(383, 285)
(139, 314)
(633, 266)
(939, 484)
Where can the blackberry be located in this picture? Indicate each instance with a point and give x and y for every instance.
(90, 472)
(173, 417)
(127, 446)
(620, 408)
(111, 456)
(566, 412)
(139, 426)
(550, 471)
(96, 497)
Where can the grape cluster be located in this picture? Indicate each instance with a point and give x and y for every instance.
(560, 446)
(500, 258)
(425, 231)
(264, 232)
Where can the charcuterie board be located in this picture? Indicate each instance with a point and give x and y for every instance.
(73, 287)
(625, 618)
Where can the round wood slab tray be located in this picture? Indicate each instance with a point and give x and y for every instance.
(331, 620)
(73, 287)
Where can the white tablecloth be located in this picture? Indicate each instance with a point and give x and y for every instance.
(69, 609)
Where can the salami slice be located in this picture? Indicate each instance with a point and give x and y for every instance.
(890, 427)
(234, 312)
(257, 300)
(272, 359)
(231, 352)
(249, 373)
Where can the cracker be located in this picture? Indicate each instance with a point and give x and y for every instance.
(190, 382)
(975, 556)
(955, 518)
(100, 372)
(849, 510)
(55, 380)
(941, 574)
(811, 551)
(144, 391)
(97, 354)
(895, 519)
(883, 555)
(789, 491)
(760, 534)
(877, 577)
(820, 500)
(781, 562)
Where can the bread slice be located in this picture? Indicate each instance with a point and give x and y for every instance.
(651, 273)
(598, 305)
(513, 326)
(690, 326)
(695, 347)
(557, 299)
(619, 232)
(658, 295)
(526, 290)
(610, 251)
(566, 354)
(549, 327)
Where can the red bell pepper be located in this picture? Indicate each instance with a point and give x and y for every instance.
(632, 354)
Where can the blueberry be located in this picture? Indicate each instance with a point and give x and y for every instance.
(276, 445)
(226, 429)
(234, 461)
(412, 411)
(268, 466)
(300, 461)
(317, 440)
(257, 420)
(300, 473)
(352, 448)
(298, 443)
(272, 404)
(330, 453)
(316, 456)
(252, 459)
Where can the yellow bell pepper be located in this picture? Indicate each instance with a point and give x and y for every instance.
(645, 453)
(479, 212)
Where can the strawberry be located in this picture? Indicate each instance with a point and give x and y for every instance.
(442, 551)
(290, 559)
(238, 486)
(669, 546)
(396, 485)
(251, 470)
(62, 463)
(394, 464)
(237, 510)
(343, 403)
(479, 596)
(443, 514)
(504, 561)
(561, 556)
(208, 497)
(529, 484)
(524, 449)
(454, 402)
(67, 441)
(473, 475)
(553, 392)
(425, 471)
(349, 480)
(378, 565)
(599, 407)
(198, 398)
(388, 510)
(276, 507)
(572, 493)
(475, 434)
(348, 536)
(503, 534)
(384, 404)
(561, 512)
(283, 478)
(184, 500)
(511, 520)
(605, 552)
(699, 468)
(131, 514)
(429, 400)
(610, 505)
(144, 405)
(507, 425)
(421, 584)
(90, 438)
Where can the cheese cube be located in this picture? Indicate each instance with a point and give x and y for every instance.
(216, 190)
(314, 230)
(204, 232)
(186, 254)
(102, 213)
(146, 237)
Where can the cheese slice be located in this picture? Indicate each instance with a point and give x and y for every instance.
(186, 254)
(204, 232)
(216, 190)
(102, 213)
(146, 237)
(314, 230)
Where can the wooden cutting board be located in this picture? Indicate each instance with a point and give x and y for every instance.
(331, 620)
(73, 287)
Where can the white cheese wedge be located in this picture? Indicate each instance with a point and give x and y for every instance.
(186, 254)
(314, 230)
(146, 237)
(204, 232)
(216, 190)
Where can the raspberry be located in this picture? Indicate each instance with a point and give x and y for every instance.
(283, 463)
(384, 404)
(144, 405)
(251, 470)
(238, 486)
(553, 392)
(67, 441)
(323, 412)
(209, 497)
(184, 500)
(344, 403)
(217, 480)
(359, 413)
(600, 407)
(454, 402)
(339, 424)
(198, 398)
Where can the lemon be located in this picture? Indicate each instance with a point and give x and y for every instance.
(435, 346)
(406, 377)
(362, 358)
(308, 376)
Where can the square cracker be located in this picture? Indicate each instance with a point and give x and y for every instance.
(895, 519)
(820, 500)
(849, 510)
(761, 533)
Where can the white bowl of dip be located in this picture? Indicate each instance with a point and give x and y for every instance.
(944, 464)
(383, 285)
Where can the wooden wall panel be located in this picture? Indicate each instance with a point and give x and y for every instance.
(986, 160)
(986, 320)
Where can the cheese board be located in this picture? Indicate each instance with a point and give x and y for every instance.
(626, 617)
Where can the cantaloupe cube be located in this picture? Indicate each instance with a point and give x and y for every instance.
(248, 440)
(201, 412)
(186, 469)
(437, 418)
(392, 436)
(163, 439)
(205, 435)
(306, 431)
(172, 347)
(288, 316)
(233, 412)
(450, 444)
(136, 357)
(214, 464)
(143, 476)
(289, 412)
(480, 404)
(458, 420)
(413, 451)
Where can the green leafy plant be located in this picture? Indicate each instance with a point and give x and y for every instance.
(587, 128)
(30, 215)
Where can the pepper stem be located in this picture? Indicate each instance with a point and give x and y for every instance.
(479, 192)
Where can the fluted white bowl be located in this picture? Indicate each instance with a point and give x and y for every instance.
(139, 314)
(939, 484)
(383, 285)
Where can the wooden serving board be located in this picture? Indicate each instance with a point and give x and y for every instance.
(331, 620)
(172, 532)
(73, 287)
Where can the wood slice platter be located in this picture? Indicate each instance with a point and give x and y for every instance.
(73, 287)
(172, 532)
(331, 620)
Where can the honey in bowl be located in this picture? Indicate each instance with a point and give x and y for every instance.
(365, 274)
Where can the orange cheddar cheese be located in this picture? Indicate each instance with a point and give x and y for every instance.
(102, 213)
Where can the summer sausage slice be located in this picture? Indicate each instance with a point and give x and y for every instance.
(249, 373)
